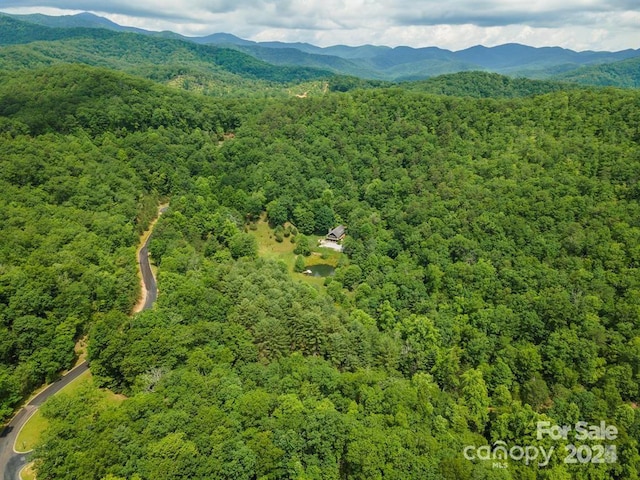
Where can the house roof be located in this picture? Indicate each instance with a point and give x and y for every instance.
(337, 232)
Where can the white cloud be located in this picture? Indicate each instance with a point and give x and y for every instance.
(577, 24)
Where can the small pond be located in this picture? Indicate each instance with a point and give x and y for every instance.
(321, 270)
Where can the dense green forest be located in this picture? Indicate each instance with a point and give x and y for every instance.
(490, 276)
(397, 64)
(85, 155)
(208, 69)
(486, 85)
(228, 71)
(625, 73)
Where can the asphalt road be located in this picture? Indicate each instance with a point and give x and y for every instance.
(145, 268)
(147, 275)
(11, 462)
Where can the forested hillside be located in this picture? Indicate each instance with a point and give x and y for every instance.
(85, 154)
(68, 98)
(203, 68)
(297, 61)
(490, 278)
(486, 85)
(625, 73)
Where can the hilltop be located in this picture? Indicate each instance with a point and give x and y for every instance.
(400, 63)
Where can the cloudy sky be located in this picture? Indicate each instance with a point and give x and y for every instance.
(453, 24)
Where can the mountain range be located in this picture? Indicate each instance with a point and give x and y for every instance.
(372, 62)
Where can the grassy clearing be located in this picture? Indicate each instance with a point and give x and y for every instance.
(27, 473)
(309, 89)
(269, 248)
(31, 432)
(283, 252)
(80, 350)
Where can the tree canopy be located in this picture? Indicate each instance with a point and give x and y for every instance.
(490, 278)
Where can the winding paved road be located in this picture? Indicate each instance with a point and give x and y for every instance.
(145, 268)
(11, 462)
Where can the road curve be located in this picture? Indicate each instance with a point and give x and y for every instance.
(11, 462)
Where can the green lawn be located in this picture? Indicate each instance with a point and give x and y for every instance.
(27, 472)
(283, 251)
(269, 248)
(30, 433)
(32, 430)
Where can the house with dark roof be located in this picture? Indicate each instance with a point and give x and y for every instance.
(336, 234)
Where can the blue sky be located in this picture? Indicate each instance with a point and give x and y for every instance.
(457, 24)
